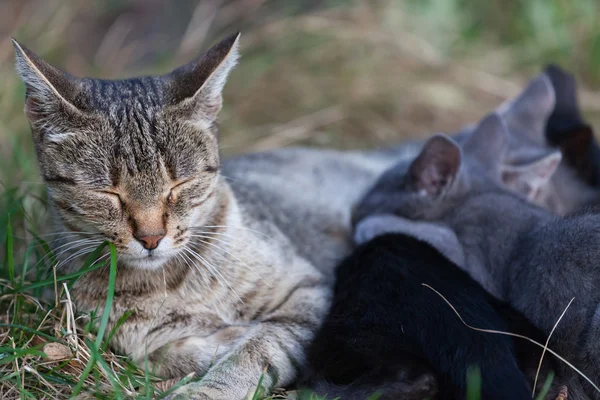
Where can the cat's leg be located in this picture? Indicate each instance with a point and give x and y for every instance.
(272, 351)
(439, 236)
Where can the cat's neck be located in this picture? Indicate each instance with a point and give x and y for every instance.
(134, 282)
(489, 226)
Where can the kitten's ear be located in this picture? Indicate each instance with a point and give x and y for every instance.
(488, 142)
(527, 179)
(526, 115)
(48, 89)
(435, 169)
(197, 86)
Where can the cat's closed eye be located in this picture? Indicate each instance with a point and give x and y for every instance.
(115, 197)
(176, 189)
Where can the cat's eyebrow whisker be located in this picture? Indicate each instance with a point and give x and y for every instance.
(207, 264)
(200, 237)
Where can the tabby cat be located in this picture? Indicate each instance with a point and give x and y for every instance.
(213, 286)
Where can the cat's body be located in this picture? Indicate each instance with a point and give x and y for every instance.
(383, 317)
(522, 254)
(212, 285)
(309, 194)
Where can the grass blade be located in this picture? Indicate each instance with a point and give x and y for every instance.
(10, 259)
(103, 321)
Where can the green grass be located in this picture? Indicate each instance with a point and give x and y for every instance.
(344, 74)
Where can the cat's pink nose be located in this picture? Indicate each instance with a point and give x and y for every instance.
(150, 242)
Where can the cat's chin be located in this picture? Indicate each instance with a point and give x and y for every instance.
(145, 263)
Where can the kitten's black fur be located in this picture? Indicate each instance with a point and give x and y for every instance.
(567, 129)
(382, 316)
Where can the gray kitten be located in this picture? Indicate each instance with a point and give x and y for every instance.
(519, 252)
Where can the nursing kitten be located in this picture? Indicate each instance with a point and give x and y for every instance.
(548, 104)
(383, 319)
(520, 253)
(213, 285)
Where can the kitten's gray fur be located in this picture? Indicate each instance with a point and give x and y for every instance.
(135, 162)
(520, 253)
(439, 236)
(312, 192)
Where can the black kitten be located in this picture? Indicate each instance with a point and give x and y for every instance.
(383, 318)
(567, 129)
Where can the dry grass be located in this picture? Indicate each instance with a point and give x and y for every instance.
(344, 74)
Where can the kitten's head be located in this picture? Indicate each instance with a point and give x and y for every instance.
(444, 174)
(134, 161)
(544, 116)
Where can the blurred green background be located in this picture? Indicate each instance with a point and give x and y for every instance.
(336, 73)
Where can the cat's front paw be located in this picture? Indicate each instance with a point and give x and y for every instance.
(199, 391)
(192, 391)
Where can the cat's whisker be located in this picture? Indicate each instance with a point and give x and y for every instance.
(192, 265)
(63, 235)
(69, 247)
(84, 252)
(234, 227)
(200, 237)
(205, 262)
(78, 253)
(224, 234)
(86, 240)
(68, 233)
(94, 263)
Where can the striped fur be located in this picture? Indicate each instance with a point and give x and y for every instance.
(225, 294)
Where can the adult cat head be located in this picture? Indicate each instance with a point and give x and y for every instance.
(134, 161)
(444, 173)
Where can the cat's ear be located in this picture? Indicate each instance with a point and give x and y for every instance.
(197, 86)
(529, 178)
(435, 169)
(488, 142)
(48, 90)
(526, 115)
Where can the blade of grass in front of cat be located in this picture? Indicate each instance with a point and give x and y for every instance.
(546, 387)
(103, 321)
(10, 260)
(473, 383)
